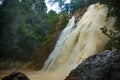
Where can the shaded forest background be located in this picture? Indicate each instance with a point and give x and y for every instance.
(28, 33)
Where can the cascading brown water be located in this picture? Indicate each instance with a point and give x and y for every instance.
(60, 42)
(85, 40)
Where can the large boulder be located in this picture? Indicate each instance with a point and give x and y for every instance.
(103, 66)
(16, 76)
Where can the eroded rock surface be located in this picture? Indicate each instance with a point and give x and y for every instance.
(103, 66)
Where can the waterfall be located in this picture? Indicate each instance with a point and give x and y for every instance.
(64, 34)
(78, 43)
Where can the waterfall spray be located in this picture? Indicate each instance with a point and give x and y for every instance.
(77, 44)
(85, 40)
(63, 37)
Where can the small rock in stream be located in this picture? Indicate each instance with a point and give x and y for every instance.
(16, 75)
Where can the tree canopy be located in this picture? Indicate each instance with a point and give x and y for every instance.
(23, 27)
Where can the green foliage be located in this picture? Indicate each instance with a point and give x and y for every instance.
(76, 4)
(63, 22)
(23, 27)
(8, 65)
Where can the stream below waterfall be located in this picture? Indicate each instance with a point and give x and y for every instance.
(76, 43)
(34, 75)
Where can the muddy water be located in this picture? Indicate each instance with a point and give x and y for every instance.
(30, 74)
(34, 75)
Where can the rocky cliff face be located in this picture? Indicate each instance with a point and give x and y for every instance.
(103, 66)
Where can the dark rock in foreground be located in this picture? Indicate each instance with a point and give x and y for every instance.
(103, 66)
(16, 76)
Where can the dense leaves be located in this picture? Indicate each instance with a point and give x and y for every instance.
(23, 27)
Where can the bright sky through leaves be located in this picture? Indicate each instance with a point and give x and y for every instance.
(0, 2)
(54, 7)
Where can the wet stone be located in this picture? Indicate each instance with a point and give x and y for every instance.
(16, 75)
(102, 66)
